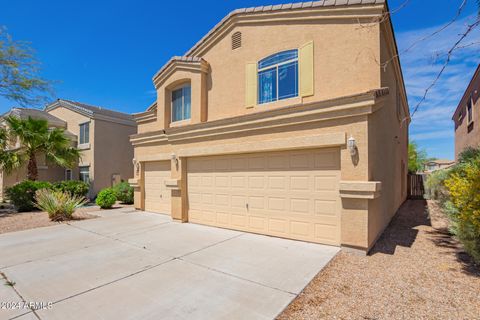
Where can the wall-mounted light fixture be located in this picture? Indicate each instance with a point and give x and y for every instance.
(352, 146)
(173, 156)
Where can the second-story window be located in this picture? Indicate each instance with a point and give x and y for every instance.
(84, 133)
(278, 76)
(181, 103)
(469, 110)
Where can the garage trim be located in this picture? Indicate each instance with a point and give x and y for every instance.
(305, 142)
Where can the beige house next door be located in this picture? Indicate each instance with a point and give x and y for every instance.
(157, 196)
(291, 194)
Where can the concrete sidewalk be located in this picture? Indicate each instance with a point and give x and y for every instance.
(130, 265)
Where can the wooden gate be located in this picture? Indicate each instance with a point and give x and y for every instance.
(415, 186)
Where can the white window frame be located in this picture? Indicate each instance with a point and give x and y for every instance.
(470, 114)
(87, 123)
(181, 87)
(277, 76)
(80, 174)
(67, 172)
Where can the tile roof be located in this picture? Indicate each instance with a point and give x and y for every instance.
(177, 58)
(269, 8)
(284, 7)
(89, 110)
(24, 113)
(441, 161)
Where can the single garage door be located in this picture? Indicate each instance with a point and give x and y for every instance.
(157, 197)
(291, 194)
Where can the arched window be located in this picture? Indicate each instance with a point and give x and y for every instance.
(278, 76)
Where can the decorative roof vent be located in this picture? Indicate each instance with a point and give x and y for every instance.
(236, 40)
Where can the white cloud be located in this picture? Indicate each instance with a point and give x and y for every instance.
(432, 123)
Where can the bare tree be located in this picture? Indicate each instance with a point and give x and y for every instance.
(19, 73)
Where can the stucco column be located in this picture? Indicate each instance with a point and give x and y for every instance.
(179, 201)
(354, 223)
(138, 187)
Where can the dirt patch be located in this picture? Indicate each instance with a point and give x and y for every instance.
(415, 271)
(11, 221)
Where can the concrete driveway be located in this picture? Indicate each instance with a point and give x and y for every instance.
(128, 265)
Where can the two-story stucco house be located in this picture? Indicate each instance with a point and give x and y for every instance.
(467, 116)
(102, 136)
(287, 120)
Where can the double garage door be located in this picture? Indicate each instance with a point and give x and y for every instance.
(291, 194)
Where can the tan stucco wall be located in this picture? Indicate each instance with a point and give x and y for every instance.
(355, 219)
(49, 173)
(388, 141)
(109, 152)
(74, 119)
(464, 138)
(147, 126)
(113, 153)
(338, 46)
(346, 52)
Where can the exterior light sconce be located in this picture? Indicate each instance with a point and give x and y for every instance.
(173, 156)
(136, 165)
(352, 146)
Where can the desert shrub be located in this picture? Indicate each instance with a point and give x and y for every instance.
(74, 187)
(124, 192)
(106, 198)
(464, 190)
(59, 205)
(22, 195)
(434, 185)
(469, 154)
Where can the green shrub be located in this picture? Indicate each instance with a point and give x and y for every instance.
(22, 195)
(434, 185)
(106, 198)
(124, 192)
(59, 205)
(464, 192)
(74, 187)
(469, 154)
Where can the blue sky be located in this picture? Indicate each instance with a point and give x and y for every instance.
(106, 52)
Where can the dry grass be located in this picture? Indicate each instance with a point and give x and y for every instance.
(415, 271)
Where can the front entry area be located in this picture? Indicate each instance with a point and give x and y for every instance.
(290, 194)
(157, 196)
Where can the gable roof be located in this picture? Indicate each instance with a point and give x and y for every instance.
(174, 59)
(90, 110)
(25, 113)
(189, 57)
(282, 7)
(153, 106)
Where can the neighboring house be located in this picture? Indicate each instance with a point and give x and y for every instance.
(281, 121)
(467, 117)
(102, 136)
(434, 165)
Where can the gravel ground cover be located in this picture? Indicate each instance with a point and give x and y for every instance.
(415, 271)
(11, 221)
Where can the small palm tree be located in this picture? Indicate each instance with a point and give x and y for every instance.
(35, 138)
(9, 160)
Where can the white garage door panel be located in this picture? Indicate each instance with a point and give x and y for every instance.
(157, 197)
(289, 194)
